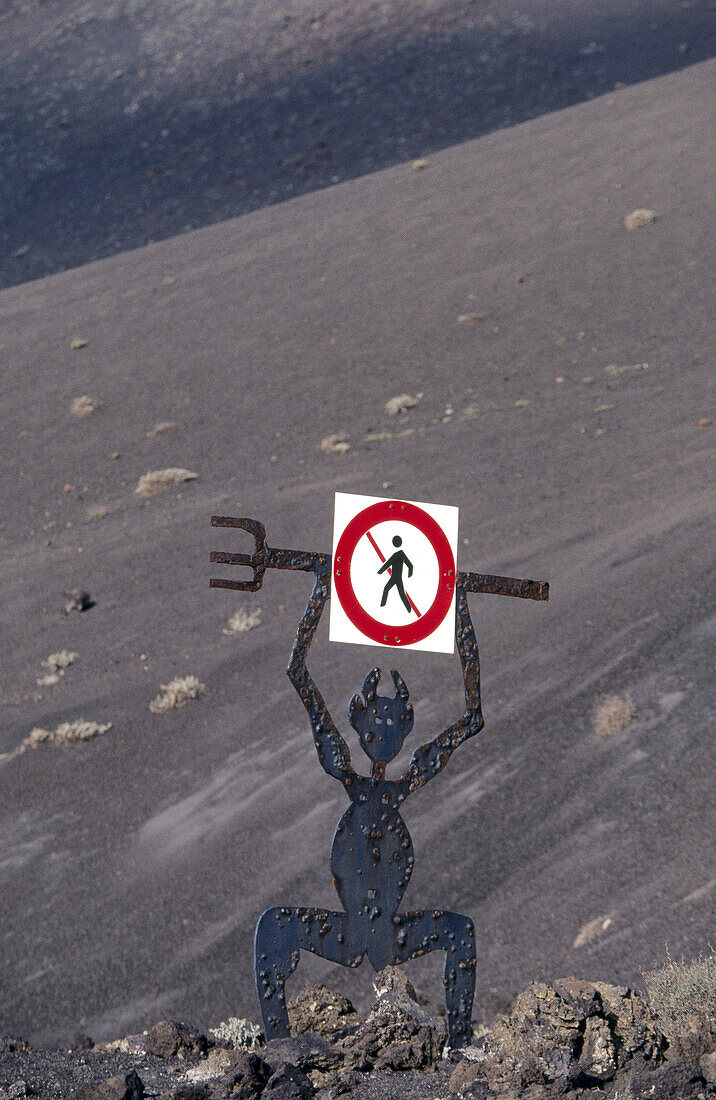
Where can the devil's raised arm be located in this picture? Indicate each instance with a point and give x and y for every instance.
(333, 752)
(429, 759)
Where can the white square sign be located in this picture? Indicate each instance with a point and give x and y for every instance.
(394, 571)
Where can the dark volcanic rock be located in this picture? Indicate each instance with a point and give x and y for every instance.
(16, 1091)
(318, 1010)
(398, 1034)
(128, 1044)
(331, 1086)
(76, 599)
(188, 1092)
(566, 1036)
(128, 1086)
(666, 1082)
(288, 1082)
(11, 1043)
(248, 1079)
(465, 1073)
(707, 1064)
(308, 1052)
(81, 1042)
(695, 1038)
(169, 1039)
(633, 1024)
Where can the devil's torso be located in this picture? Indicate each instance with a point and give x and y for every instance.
(372, 853)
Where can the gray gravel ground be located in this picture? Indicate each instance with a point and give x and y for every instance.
(58, 1074)
(132, 121)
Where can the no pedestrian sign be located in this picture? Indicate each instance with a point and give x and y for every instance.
(394, 570)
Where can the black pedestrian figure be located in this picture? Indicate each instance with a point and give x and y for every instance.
(372, 854)
(396, 563)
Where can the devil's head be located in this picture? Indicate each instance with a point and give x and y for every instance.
(381, 722)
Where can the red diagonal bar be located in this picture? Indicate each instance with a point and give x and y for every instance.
(377, 549)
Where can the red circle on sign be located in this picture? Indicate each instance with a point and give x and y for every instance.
(384, 633)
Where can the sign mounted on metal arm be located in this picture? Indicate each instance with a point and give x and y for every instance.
(394, 573)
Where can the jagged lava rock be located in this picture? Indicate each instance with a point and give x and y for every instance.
(81, 1041)
(308, 1052)
(288, 1082)
(188, 1092)
(247, 1081)
(322, 1012)
(127, 1086)
(128, 1044)
(707, 1063)
(9, 1044)
(572, 1034)
(466, 1072)
(670, 1081)
(170, 1039)
(398, 1034)
(694, 1037)
(218, 1062)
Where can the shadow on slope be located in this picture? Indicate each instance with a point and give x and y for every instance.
(111, 140)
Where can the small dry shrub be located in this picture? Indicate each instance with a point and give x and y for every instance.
(242, 1034)
(155, 481)
(36, 737)
(639, 218)
(61, 660)
(401, 403)
(56, 664)
(161, 429)
(336, 443)
(592, 930)
(242, 621)
(613, 714)
(48, 679)
(67, 733)
(683, 993)
(82, 406)
(176, 693)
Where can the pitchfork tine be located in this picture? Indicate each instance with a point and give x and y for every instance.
(255, 561)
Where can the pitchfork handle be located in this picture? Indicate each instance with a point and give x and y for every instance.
(275, 559)
(503, 586)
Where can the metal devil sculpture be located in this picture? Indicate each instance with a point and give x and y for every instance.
(372, 854)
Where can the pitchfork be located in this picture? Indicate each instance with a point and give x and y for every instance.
(266, 557)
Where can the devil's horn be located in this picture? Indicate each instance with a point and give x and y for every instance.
(400, 685)
(355, 707)
(370, 685)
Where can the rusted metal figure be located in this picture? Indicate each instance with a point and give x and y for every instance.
(372, 853)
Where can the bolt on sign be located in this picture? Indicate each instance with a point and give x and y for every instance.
(394, 573)
(392, 581)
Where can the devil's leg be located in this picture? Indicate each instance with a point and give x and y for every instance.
(435, 930)
(281, 934)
